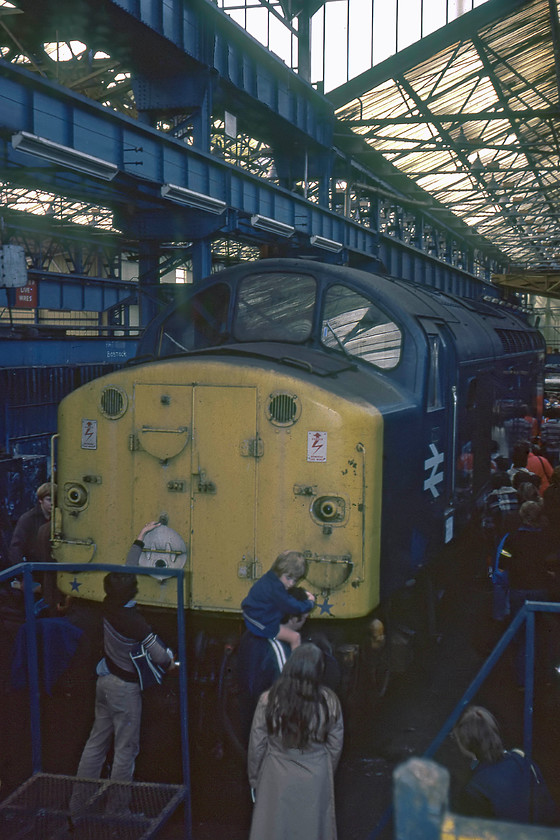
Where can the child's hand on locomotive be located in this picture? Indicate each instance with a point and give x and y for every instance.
(310, 596)
(147, 528)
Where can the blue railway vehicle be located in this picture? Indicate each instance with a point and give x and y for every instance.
(291, 404)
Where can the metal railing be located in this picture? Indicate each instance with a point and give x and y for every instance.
(525, 616)
(25, 570)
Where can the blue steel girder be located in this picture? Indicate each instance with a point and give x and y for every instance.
(400, 260)
(35, 105)
(56, 352)
(243, 72)
(170, 46)
(74, 292)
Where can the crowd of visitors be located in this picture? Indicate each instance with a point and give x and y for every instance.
(293, 727)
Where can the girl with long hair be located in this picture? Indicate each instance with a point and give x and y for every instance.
(294, 749)
(504, 784)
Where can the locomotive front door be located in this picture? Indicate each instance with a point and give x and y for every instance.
(161, 451)
(195, 467)
(223, 494)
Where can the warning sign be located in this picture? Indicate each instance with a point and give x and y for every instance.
(316, 446)
(26, 296)
(89, 434)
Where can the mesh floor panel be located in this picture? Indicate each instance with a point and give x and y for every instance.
(49, 807)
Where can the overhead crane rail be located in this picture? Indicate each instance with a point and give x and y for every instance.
(29, 102)
(45, 110)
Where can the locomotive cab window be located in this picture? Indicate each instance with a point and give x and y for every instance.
(199, 322)
(275, 307)
(358, 327)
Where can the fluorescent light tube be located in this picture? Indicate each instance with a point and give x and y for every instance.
(326, 244)
(182, 195)
(271, 225)
(64, 155)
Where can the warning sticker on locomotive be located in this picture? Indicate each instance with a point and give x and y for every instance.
(89, 434)
(316, 446)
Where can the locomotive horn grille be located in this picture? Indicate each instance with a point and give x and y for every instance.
(113, 402)
(283, 409)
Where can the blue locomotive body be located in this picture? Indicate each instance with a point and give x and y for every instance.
(444, 373)
(295, 404)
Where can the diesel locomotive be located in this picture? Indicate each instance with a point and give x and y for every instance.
(292, 404)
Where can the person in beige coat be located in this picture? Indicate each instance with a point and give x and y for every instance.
(294, 748)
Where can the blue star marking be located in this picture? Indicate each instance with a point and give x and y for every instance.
(325, 607)
(75, 585)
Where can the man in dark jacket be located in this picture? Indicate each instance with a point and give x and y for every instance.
(260, 661)
(25, 544)
(31, 542)
(526, 557)
(118, 697)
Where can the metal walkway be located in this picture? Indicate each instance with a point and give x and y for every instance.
(41, 809)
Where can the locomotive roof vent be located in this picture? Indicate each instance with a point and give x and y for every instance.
(113, 402)
(516, 341)
(283, 409)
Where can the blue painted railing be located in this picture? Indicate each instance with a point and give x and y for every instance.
(525, 616)
(26, 571)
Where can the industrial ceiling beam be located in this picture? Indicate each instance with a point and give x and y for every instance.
(460, 118)
(546, 283)
(395, 66)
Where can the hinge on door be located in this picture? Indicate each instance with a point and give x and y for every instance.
(249, 569)
(133, 443)
(252, 448)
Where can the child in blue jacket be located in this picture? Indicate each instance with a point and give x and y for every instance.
(268, 600)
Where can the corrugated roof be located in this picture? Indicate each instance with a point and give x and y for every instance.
(471, 115)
